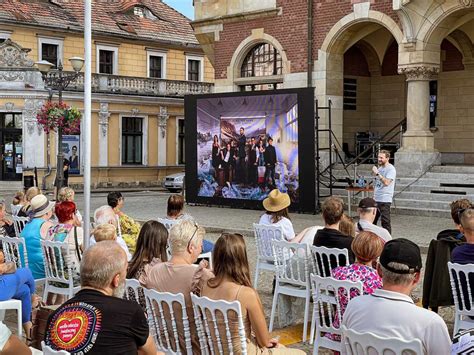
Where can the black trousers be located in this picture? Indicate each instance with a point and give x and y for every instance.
(383, 212)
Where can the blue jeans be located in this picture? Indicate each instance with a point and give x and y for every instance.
(207, 246)
(19, 286)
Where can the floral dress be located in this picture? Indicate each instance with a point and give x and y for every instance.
(371, 281)
(130, 230)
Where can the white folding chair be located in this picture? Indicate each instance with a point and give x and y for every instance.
(368, 343)
(12, 304)
(327, 307)
(264, 235)
(15, 209)
(462, 294)
(57, 269)
(164, 309)
(292, 276)
(212, 324)
(134, 291)
(19, 223)
(324, 259)
(14, 249)
(48, 351)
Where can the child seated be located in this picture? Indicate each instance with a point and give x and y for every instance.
(105, 232)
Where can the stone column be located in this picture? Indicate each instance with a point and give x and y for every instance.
(104, 116)
(417, 153)
(162, 121)
(33, 135)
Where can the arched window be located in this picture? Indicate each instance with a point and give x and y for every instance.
(261, 60)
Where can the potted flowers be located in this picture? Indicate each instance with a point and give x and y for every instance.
(54, 115)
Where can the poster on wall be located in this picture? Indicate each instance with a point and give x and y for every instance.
(247, 144)
(71, 150)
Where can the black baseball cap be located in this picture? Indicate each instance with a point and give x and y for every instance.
(367, 202)
(402, 251)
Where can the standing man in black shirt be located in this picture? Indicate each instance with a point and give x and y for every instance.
(252, 163)
(270, 161)
(97, 320)
(241, 170)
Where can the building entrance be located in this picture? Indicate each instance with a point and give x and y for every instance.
(11, 146)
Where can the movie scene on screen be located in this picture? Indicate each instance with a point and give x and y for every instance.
(247, 146)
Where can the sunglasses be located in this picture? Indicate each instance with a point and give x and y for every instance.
(462, 210)
(194, 233)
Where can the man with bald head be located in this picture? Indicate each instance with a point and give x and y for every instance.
(97, 320)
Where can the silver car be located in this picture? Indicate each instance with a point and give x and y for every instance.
(174, 182)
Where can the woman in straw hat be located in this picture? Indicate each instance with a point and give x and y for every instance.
(276, 205)
(36, 229)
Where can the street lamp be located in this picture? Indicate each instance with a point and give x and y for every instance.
(59, 83)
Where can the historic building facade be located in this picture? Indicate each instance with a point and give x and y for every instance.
(378, 61)
(145, 58)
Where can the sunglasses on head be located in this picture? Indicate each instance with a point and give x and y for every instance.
(462, 210)
(194, 233)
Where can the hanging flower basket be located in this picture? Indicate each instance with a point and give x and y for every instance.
(54, 115)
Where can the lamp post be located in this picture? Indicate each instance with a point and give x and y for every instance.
(59, 83)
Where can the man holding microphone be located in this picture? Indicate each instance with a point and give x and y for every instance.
(385, 175)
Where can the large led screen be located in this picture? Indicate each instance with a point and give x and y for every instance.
(246, 145)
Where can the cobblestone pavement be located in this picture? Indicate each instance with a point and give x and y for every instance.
(147, 205)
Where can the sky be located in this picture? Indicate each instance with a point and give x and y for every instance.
(183, 6)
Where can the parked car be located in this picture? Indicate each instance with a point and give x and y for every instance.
(174, 182)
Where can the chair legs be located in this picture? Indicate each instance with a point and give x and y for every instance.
(274, 304)
(19, 316)
(313, 324)
(306, 316)
(256, 276)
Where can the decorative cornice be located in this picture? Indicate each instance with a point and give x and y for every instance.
(12, 55)
(467, 3)
(420, 72)
(104, 116)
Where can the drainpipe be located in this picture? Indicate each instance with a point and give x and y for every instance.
(310, 44)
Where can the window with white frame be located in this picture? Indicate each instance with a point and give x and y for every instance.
(107, 59)
(132, 140)
(156, 64)
(194, 68)
(51, 50)
(4, 35)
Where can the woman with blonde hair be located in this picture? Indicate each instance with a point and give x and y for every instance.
(68, 194)
(232, 283)
(346, 226)
(30, 194)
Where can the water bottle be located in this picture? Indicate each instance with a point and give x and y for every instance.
(361, 182)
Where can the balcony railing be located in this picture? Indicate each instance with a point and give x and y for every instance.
(129, 85)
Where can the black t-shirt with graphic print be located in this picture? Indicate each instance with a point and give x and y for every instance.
(94, 323)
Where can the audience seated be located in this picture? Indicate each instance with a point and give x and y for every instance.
(19, 199)
(330, 236)
(30, 194)
(67, 231)
(106, 215)
(390, 312)
(11, 344)
(436, 282)
(367, 211)
(346, 226)
(36, 229)
(151, 249)
(97, 320)
(128, 228)
(175, 212)
(180, 274)
(276, 207)
(232, 283)
(367, 247)
(464, 254)
(68, 194)
(17, 284)
(105, 232)
(6, 226)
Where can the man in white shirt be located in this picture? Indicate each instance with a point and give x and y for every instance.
(367, 211)
(390, 312)
(385, 175)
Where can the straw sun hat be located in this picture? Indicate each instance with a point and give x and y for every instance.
(40, 206)
(276, 201)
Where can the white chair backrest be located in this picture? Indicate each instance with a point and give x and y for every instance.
(326, 294)
(15, 209)
(168, 223)
(264, 235)
(325, 259)
(166, 326)
(48, 351)
(368, 343)
(460, 276)
(291, 262)
(19, 223)
(56, 265)
(132, 290)
(13, 248)
(212, 324)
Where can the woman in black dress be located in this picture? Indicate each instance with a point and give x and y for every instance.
(216, 157)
